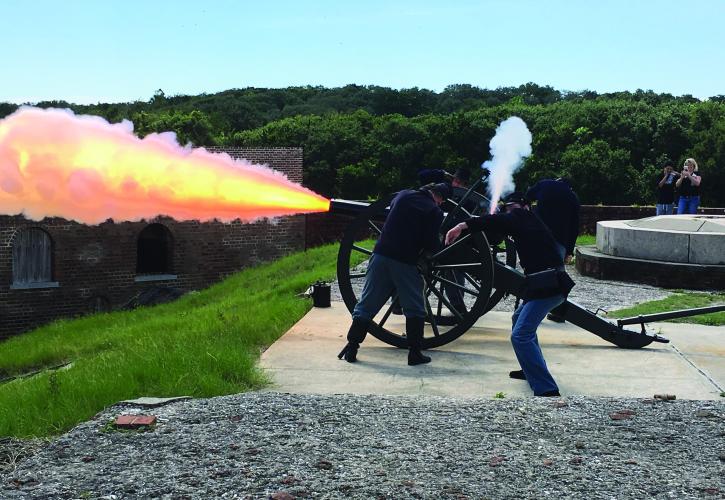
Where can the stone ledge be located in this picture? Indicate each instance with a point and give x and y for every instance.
(591, 262)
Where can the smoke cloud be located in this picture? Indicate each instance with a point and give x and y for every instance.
(509, 147)
(54, 163)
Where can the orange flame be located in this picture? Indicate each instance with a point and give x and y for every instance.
(54, 163)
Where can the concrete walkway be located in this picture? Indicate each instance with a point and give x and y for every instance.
(305, 360)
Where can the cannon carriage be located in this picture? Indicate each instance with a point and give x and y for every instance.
(478, 268)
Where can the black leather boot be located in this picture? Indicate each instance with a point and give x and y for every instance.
(414, 332)
(355, 336)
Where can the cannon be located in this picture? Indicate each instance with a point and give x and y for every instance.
(479, 266)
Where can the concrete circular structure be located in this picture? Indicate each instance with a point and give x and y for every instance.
(684, 251)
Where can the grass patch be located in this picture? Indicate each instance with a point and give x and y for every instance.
(205, 344)
(586, 239)
(680, 300)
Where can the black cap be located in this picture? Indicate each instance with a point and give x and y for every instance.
(463, 175)
(516, 197)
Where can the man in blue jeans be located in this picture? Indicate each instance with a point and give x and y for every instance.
(538, 251)
(412, 226)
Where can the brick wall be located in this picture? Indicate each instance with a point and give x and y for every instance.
(100, 261)
(322, 228)
(285, 160)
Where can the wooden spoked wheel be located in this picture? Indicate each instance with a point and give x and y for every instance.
(458, 278)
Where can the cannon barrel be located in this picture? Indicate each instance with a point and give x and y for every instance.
(347, 207)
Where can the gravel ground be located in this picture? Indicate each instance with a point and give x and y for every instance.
(261, 445)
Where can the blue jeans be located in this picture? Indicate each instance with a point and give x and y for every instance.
(382, 277)
(688, 205)
(663, 208)
(526, 320)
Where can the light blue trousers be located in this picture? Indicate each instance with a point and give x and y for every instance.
(663, 209)
(382, 277)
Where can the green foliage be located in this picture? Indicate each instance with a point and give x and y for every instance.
(594, 165)
(202, 345)
(680, 301)
(6, 108)
(586, 239)
(193, 127)
(611, 149)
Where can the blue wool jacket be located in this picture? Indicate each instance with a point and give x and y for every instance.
(411, 227)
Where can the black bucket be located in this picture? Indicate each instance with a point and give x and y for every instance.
(321, 294)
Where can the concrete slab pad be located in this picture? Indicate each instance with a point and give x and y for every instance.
(685, 223)
(305, 360)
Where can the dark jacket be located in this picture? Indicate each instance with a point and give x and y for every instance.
(534, 243)
(687, 188)
(666, 192)
(558, 206)
(412, 226)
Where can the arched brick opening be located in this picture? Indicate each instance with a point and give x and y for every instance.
(155, 250)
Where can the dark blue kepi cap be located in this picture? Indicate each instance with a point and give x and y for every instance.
(442, 189)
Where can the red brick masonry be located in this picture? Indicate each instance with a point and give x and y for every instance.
(134, 421)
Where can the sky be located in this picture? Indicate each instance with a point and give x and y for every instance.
(89, 51)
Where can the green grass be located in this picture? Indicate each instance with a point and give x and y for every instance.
(677, 301)
(205, 344)
(586, 239)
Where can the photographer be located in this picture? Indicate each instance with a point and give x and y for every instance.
(688, 186)
(666, 190)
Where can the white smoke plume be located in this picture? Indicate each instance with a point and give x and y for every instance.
(509, 147)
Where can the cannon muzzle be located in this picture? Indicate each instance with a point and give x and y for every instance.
(347, 207)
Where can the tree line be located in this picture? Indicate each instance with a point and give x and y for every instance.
(364, 141)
